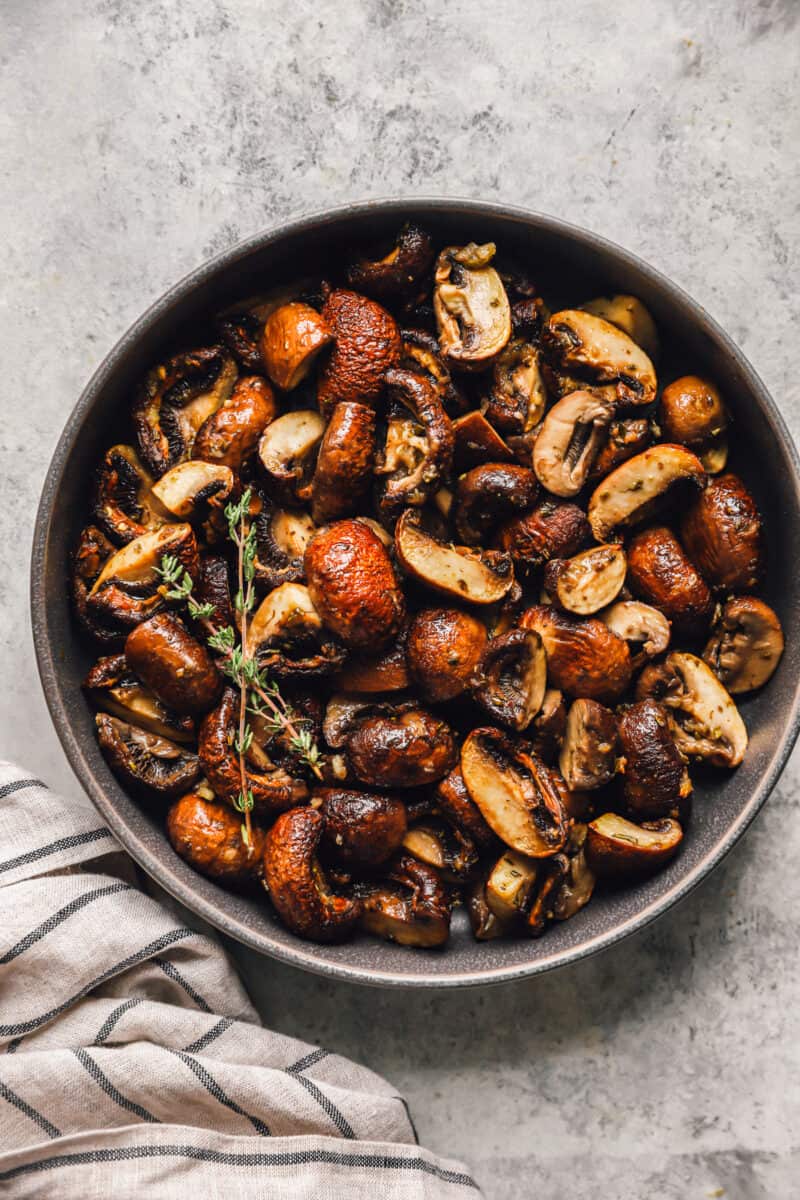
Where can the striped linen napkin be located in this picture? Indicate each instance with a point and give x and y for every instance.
(132, 1062)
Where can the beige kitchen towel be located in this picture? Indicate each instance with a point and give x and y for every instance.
(132, 1062)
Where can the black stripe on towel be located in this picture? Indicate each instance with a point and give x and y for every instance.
(65, 843)
(209, 1036)
(63, 914)
(174, 974)
(102, 1080)
(19, 785)
(327, 1105)
(307, 1060)
(43, 1123)
(108, 1025)
(211, 1086)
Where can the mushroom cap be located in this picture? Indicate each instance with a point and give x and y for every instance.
(353, 585)
(444, 648)
(746, 644)
(584, 658)
(723, 535)
(662, 575)
(403, 750)
(367, 343)
(208, 836)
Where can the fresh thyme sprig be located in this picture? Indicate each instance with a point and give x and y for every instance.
(177, 585)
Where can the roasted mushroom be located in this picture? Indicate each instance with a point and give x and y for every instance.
(589, 581)
(512, 680)
(114, 688)
(124, 506)
(344, 466)
(412, 909)
(472, 576)
(617, 849)
(293, 337)
(551, 877)
(367, 344)
(444, 847)
(353, 586)
(554, 529)
(126, 591)
(175, 666)
(241, 332)
(287, 453)
(399, 274)
(92, 551)
(144, 761)
(418, 450)
(362, 829)
(455, 803)
(282, 536)
(570, 438)
(509, 886)
(625, 439)
(443, 651)
(196, 491)
(287, 637)
(629, 315)
(518, 396)
(489, 494)
(691, 412)
(580, 341)
(230, 436)
(472, 310)
(546, 733)
(476, 442)
(421, 355)
(484, 923)
(208, 836)
(644, 628)
(660, 572)
(577, 887)
(655, 780)
(746, 644)
(723, 535)
(213, 587)
(704, 720)
(588, 752)
(297, 886)
(631, 492)
(368, 674)
(344, 712)
(584, 658)
(402, 750)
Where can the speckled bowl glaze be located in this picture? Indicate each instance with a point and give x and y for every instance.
(570, 266)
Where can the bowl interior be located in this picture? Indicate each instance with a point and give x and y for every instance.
(569, 266)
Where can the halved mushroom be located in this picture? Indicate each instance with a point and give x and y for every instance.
(412, 909)
(361, 828)
(626, 438)
(124, 506)
(420, 354)
(746, 644)
(630, 315)
(576, 889)
(570, 438)
(288, 453)
(584, 658)
(287, 636)
(512, 680)
(552, 875)
(214, 587)
(691, 412)
(655, 780)
(343, 713)
(579, 340)
(484, 923)
(660, 572)
(282, 535)
(588, 752)
(617, 849)
(344, 465)
(644, 628)
(444, 847)
(546, 733)
(92, 551)
(176, 667)
(418, 451)
(297, 886)
(144, 761)
(455, 803)
(477, 577)
(518, 397)
(555, 529)
(476, 442)
(515, 793)
(196, 491)
(176, 399)
(115, 689)
(401, 750)
(292, 338)
(400, 273)
(471, 306)
(208, 836)
(273, 789)
(368, 674)
(367, 344)
(704, 720)
(631, 492)
(723, 535)
(589, 581)
(126, 591)
(444, 648)
(509, 886)
(231, 434)
(353, 586)
(489, 494)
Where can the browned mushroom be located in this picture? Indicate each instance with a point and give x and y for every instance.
(579, 340)
(723, 535)
(577, 888)
(344, 465)
(626, 438)
(208, 836)
(444, 648)
(584, 658)
(174, 665)
(367, 343)
(293, 337)
(124, 506)
(145, 761)
(399, 274)
(287, 453)
(484, 923)
(518, 396)
(546, 733)
(617, 849)
(402, 750)
(554, 529)
(588, 752)
(655, 780)
(368, 674)
(589, 581)
(353, 586)
(630, 315)
(509, 887)
(344, 712)
(443, 846)
(691, 412)
(512, 680)
(570, 438)
(472, 310)
(632, 491)
(361, 828)
(297, 886)
(660, 572)
(196, 491)
(421, 355)
(91, 553)
(115, 689)
(644, 628)
(418, 450)
(455, 803)
(230, 436)
(241, 331)
(472, 576)
(412, 909)
(282, 535)
(551, 877)
(476, 442)
(704, 720)
(214, 587)
(487, 495)
(287, 637)
(127, 589)
(746, 644)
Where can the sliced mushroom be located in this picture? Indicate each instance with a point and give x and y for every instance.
(367, 344)
(230, 436)
(589, 581)
(617, 849)
(361, 828)
(471, 306)
(126, 591)
(655, 780)
(644, 628)
(691, 412)
(297, 886)
(343, 713)
(418, 451)
(576, 889)
(746, 644)
(407, 749)
(549, 726)
(515, 793)
(512, 679)
(124, 506)
(487, 495)
(208, 836)
(420, 354)
(509, 886)
(588, 752)
(518, 396)
(353, 586)
(292, 339)
(584, 658)
(485, 925)
(176, 399)
(344, 466)
(723, 535)
(626, 438)
(114, 688)
(287, 637)
(555, 529)
(476, 442)
(455, 803)
(704, 720)
(570, 438)
(412, 909)
(444, 847)
(660, 572)
(282, 536)
(476, 577)
(369, 674)
(629, 315)
(144, 761)
(175, 666)
(400, 273)
(92, 551)
(214, 587)
(630, 493)
(579, 340)
(196, 491)
(288, 454)
(552, 876)
(444, 648)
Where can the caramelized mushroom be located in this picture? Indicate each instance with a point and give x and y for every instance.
(344, 466)
(660, 572)
(214, 587)
(584, 658)
(509, 886)
(293, 337)
(655, 780)
(353, 586)
(444, 847)
(484, 923)
(208, 836)
(413, 912)
(241, 332)
(553, 530)
(369, 674)
(617, 849)
(578, 340)
(588, 752)
(418, 450)
(144, 761)
(746, 644)
(367, 344)
(488, 494)
(477, 577)
(287, 637)
(704, 720)
(282, 536)
(589, 581)
(569, 440)
(518, 396)
(472, 310)
(626, 438)
(124, 506)
(576, 889)
(629, 315)
(723, 535)
(476, 442)
(361, 828)
(230, 436)
(91, 553)
(288, 453)
(115, 689)
(455, 803)
(399, 273)
(512, 679)
(444, 648)
(551, 877)
(401, 750)
(549, 725)
(420, 354)
(196, 491)
(175, 666)
(632, 490)
(691, 412)
(126, 590)
(343, 714)
(644, 628)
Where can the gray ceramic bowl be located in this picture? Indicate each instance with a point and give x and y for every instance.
(570, 265)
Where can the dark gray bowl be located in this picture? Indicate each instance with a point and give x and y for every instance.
(573, 265)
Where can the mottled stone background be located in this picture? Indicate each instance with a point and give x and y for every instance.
(140, 138)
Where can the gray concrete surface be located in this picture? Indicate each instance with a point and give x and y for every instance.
(139, 138)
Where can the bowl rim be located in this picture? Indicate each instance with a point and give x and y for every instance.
(303, 955)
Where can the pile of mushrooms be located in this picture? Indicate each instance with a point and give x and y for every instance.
(505, 576)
